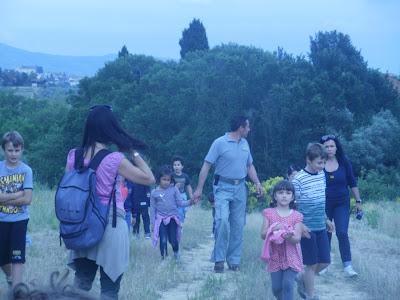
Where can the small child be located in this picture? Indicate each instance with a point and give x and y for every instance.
(15, 196)
(164, 202)
(292, 171)
(182, 182)
(281, 230)
(141, 202)
(310, 186)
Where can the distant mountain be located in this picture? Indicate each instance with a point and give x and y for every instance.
(11, 58)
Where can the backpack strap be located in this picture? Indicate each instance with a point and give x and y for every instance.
(96, 160)
(94, 163)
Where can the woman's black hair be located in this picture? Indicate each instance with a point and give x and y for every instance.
(283, 185)
(340, 155)
(103, 127)
(165, 170)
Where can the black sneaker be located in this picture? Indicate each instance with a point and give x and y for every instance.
(219, 267)
(234, 267)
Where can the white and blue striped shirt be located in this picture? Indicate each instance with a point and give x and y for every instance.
(310, 198)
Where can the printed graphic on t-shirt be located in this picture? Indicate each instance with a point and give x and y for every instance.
(11, 184)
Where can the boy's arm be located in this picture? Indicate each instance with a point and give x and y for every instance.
(5, 197)
(25, 199)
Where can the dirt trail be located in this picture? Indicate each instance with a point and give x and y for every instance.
(333, 285)
(197, 268)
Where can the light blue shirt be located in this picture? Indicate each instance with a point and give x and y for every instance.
(230, 158)
(13, 180)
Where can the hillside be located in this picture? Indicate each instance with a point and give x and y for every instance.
(11, 58)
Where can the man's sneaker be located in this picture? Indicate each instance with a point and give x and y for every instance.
(349, 271)
(233, 267)
(147, 236)
(301, 288)
(219, 267)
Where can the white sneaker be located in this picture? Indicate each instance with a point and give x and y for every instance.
(323, 272)
(349, 271)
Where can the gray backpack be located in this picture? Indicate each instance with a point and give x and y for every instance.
(82, 217)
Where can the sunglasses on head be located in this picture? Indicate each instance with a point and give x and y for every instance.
(328, 137)
(100, 105)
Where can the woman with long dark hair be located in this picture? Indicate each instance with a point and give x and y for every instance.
(339, 178)
(111, 254)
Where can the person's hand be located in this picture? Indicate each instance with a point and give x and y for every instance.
(277, 227)
(330, 226)
(133, 222)
(358, 206)
(178, 185)
(197, 195)
(259, 190)
(288, 235)
(305, 232)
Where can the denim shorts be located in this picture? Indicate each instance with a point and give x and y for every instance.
(316, 249)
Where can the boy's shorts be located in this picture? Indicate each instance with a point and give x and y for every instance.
(13, 242)
(316, 249)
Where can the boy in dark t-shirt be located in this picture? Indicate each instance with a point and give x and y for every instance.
(182, 182)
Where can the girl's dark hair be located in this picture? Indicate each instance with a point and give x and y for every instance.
(291, 169)
(340, 155)
(283, 185)
(165, 170)
(102, 126)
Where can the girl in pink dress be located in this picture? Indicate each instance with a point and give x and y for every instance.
(281, 232)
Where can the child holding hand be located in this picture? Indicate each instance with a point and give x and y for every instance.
(281, 230)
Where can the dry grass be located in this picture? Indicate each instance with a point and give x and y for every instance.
(147, 275)
(376, 251)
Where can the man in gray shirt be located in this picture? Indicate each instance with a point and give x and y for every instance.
(231, 157)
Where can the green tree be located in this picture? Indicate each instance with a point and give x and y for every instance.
(193, 38)
(123, 52)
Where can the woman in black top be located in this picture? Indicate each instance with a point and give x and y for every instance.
(339, 178)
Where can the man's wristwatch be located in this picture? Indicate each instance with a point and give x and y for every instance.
(358, 201)
(135, 154)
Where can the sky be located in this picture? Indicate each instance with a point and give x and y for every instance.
(154, 27)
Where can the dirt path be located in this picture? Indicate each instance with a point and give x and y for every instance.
(196, 265)
(333, 285)
(197, 269)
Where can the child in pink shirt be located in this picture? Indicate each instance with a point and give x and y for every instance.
(281, 231)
